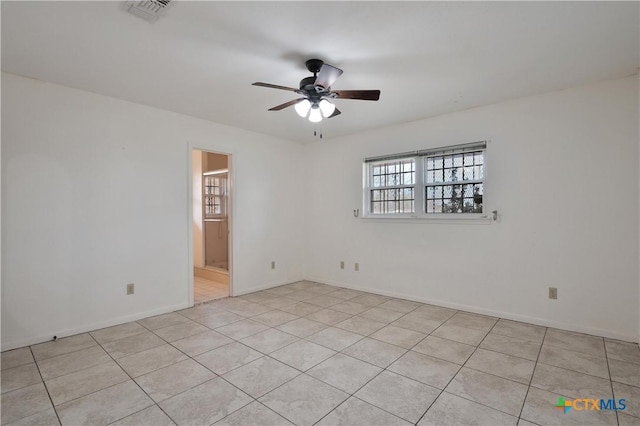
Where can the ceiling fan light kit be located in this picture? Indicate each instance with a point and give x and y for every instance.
(318, 96)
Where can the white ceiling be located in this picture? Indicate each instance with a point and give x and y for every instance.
(427, 58)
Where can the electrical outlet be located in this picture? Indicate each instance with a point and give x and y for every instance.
(342, 264)
(356, 266)
(553, 293)
(273, 264)
(130, 288)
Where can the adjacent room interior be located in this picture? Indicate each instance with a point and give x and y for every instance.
(210, 195)
(330, 213)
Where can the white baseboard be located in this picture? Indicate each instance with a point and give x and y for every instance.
(18, 343)
(500, 314)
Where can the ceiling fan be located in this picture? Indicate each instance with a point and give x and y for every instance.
(317, 100)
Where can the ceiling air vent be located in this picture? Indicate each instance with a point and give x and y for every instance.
(149, 10)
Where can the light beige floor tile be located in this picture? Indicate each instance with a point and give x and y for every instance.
(105, 406)
(375, 352)
(631, 395)
(360, 325)
(399, 305)
(274, 318)
(477, 322)
(495, 392)
(228, 357)
(349, 307)
(328, 316)
(280, 291)
(73, 361)
(452, 410)
(324, 300)
(260, 376)
(24, 402)
(16, 358)
(434, 313)
(344, 372)
(302, 355)
(322, 288)
(370, 299)
(269, 340)
(19, 377)
(44, 418)
(423, 368)
(584, 343)
(174, 379)
(381, 315)
(465, 335)
(302, 327)
(180, 331)
(161, 321)
(301, 309)
(511, 346)
(133, 344)
(623, 351)
(519, 330)
(301, 295)
(62, 346)
(398, 336)
(313, 400)
(254, 414)
(572, 360)
(447, 350)
(354, 412)
(152, 359)
(205, 404)
(626, 420)
(241, 329)
(117, 332)
(416, 323)
(249, 309)
(507, 366)
(80, 383)
(335, 338)
(625, 372)
(198, 311)
(537, 410)
(522, 422)
(201, 343)
(398, 395)
(279, 302)
(570, 383)
(152, 416)
(346, 294)
(215, 319)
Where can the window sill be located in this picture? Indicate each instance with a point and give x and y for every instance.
(475, 220)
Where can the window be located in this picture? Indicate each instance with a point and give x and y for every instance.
(428, 183)
(214, 188)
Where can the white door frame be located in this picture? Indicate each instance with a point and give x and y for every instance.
(231, 207)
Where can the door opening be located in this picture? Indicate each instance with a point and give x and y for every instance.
(211, 217)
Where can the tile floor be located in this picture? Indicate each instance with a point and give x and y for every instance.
(308, 353)
(205, 290)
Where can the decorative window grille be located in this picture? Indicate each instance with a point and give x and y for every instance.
(214, 188)
(426, 183)
(392, 189)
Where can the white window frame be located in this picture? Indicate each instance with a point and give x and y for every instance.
(420, 185)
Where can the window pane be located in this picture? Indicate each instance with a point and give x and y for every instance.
(395, 200)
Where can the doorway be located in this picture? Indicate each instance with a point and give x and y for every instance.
(211, 217)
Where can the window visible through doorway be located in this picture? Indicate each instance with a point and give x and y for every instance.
(214, 184)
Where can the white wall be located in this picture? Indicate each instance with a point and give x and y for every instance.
(95, 195)
(563, 173)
